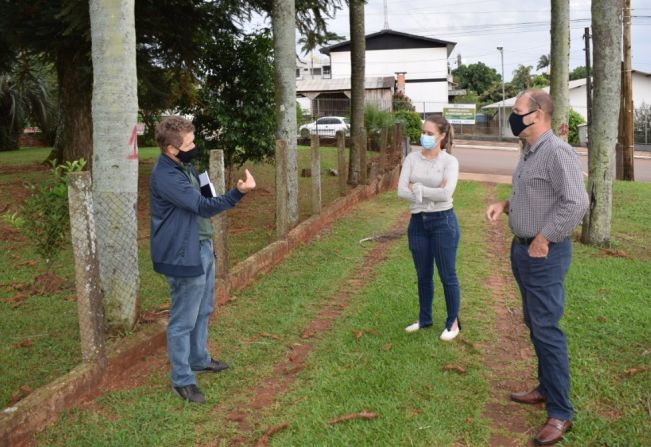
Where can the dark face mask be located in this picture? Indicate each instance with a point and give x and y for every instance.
(517, 122)
(186, 157)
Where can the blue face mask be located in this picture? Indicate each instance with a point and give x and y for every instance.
(428, 142)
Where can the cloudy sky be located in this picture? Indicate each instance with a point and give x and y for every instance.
(479, 27)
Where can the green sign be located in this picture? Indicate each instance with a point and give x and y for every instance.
(460, 114)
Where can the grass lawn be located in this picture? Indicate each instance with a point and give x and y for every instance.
(365, 361)
(37, 326)
(402, 378)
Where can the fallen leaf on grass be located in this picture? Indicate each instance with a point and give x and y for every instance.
(29, 263)
(371, 331)
(614, 253)
(632, 371)
(348, 417)
(387, 347)
(267, 334)
(456, 368)
(20, 394)
(264, 441)
(357, 334)
(16, 300)
(26, 343)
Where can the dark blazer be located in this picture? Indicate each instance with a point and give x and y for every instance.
(175, 205)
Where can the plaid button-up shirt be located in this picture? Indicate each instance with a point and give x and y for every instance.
(548, 194)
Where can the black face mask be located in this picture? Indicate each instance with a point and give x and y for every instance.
(517, 122)
(186, 157)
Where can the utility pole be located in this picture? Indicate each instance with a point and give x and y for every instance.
(627, 143)
(501, 111)
(588, 102)
(588, 84)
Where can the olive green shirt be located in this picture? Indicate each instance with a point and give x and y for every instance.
(205, 227)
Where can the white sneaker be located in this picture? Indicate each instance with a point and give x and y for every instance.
(449, 335)
(412, 327)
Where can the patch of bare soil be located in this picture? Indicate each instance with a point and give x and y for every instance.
(509, 356)
(245, 416)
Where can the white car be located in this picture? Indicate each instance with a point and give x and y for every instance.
(326, 126)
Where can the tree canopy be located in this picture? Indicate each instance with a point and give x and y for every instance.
(476, 77)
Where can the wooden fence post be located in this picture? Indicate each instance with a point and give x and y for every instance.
(219, 222)
(363, 157)
(84, 247)
(341, 161)
(282, 217)
(383, 149)
(316, 175)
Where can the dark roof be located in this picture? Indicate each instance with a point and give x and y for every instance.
(392, 40)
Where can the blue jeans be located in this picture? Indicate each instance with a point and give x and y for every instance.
(434, 237)
(193, 300)
(543, 299)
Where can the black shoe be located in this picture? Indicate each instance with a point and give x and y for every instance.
(191, 393)
(215, 366)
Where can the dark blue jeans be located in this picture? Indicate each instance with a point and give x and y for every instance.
(434, 237)
(543, 298)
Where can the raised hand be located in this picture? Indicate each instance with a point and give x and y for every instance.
(247, 184)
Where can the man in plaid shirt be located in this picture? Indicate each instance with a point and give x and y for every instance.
(547, 202)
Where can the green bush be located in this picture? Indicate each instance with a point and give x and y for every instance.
(412, 124)
(44, 218)
(574, 119)
(374, 121)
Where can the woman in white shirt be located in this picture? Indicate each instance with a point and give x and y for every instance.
(427, 180)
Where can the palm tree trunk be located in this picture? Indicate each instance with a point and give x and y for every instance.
(560, 59)
(607, 38)
(357, 74)
(284, 35)
(115, 170)
(74, 139)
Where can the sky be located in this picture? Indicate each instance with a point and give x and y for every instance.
(521, 27)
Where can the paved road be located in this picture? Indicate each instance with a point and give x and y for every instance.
(501, 159)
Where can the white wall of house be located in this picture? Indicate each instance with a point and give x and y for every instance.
(417, 63)
(641, 89)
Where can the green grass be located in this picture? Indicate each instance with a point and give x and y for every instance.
(48, 322)
(281, 303)
(607, 324)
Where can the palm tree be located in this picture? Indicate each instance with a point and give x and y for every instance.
(24, 98)
(115, 157)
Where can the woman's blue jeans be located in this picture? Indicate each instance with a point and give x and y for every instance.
(434, 238)
(193, 300)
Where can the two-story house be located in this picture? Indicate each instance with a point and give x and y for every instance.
(421, 61)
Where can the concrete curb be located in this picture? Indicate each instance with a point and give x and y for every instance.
(33, 413)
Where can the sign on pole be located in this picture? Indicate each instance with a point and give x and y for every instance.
(460, 113)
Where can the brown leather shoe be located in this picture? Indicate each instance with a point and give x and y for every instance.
(552, 431)
(528, 397)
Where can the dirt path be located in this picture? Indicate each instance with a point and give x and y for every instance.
(284, 372)
(510, 356)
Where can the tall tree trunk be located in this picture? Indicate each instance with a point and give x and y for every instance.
(607, 40)
(560, 59)
(74, 138)
(284, 34)
(357, 74)
(115, 170)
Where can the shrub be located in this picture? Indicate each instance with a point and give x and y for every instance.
(374, 121)
(44, 215)
(412, 124)
(574, 119)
